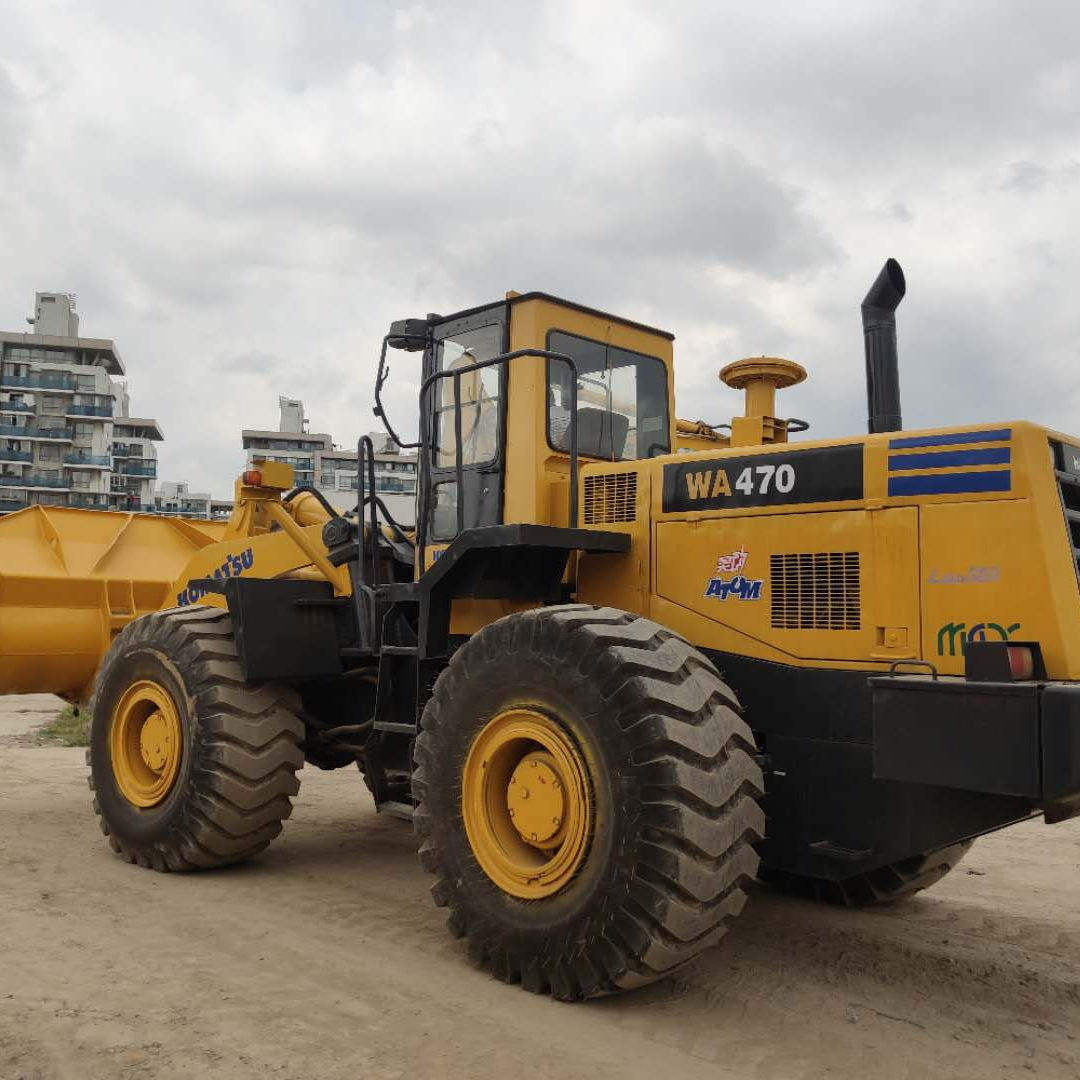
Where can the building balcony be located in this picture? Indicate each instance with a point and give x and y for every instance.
(88, 502)
(8, 505)
(32, 431)
(124, 500)
(38, 380)
(89, 410)
(15, 407)
(19, 456)
(88, 461)
(131, 468)
(37, 482)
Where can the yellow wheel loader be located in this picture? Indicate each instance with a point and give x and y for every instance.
(624, 665)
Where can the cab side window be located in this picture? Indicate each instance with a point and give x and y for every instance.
(622, 401)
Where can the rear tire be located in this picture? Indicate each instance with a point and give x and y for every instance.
(897, 881)
(672, 803)
(234, 772)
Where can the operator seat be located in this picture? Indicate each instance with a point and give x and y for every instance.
(601, 434)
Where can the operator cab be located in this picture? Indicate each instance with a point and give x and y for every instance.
(497, 435)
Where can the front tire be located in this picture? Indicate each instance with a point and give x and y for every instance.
(191, 768)
(644, 768)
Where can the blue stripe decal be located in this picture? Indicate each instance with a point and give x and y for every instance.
(951, 483)
(956, 438)
(942, 459)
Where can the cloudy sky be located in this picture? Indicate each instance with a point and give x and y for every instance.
(243, 196)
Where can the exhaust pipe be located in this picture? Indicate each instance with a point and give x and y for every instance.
(879, 338)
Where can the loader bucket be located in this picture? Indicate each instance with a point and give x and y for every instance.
(71, 579)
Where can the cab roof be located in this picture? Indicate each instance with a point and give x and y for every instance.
(520, 298)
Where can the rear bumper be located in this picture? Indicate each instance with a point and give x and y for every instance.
(1020, 739)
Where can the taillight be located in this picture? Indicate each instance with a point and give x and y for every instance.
(1021, 662)
(1003, 661)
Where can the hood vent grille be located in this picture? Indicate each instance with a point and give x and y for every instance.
(815, 590)
(1067, 473)
(611, 498)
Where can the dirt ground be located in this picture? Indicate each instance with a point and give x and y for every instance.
(325, 958)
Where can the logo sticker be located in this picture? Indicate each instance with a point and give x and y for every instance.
(957, 633)
(738, 585)
(233, 566)
(974, 575)
(829, 474)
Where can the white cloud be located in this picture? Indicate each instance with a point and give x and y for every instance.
(245, 195)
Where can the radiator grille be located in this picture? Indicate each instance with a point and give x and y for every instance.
(1065, 459)
(815, 590)
(611, 498)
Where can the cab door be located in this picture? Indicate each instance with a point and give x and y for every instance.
(457, 345)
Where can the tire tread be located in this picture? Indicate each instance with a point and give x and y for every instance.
(700, 789)
(247, 752)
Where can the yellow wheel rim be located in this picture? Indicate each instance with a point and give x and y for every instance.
(525, 799)
(145, 743)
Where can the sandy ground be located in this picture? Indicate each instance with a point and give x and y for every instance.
(325, 958)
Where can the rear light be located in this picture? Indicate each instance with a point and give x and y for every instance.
(1021, 662)
(1003, 661)
(251, 478)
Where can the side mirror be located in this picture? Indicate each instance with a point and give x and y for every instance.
(408, 334)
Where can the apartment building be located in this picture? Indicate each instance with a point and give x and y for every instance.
(63, 416)
(333, 471)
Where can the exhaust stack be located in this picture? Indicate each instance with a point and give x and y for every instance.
(879, 338)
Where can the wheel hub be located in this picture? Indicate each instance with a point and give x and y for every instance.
(526, 803)
(535, 799)
(154, 741)
(145, 743)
